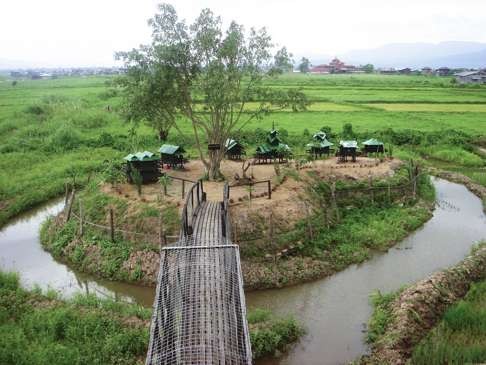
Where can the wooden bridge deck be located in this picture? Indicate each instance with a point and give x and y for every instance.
(199, 310)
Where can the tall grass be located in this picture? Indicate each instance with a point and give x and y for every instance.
(37, 330)
(461, 336)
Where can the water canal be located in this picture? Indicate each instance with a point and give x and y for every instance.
(333, 310)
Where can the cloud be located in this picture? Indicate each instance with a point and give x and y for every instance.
(67, 32)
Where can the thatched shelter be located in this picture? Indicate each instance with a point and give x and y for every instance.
(147, 165)
(172, 156)
(373, 146)
(347, 149)
(234, 149)
(319, 145)
(272, 149)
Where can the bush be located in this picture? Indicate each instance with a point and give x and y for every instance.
(65, 139)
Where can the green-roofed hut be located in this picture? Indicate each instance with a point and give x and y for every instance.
(347, 149)
(319, 145)
(172, 156)
(272, 149)
(146, 163)
(234, 150)
(373, 146)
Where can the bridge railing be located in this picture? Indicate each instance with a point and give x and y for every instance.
(195, 196)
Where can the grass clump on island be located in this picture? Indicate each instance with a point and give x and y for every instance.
(42, 329)
(460, 338)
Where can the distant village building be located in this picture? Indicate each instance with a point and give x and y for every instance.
(388, 71)
(427, 71)
(443, 71)
(336, 66)
(405, 71)
(471, 77)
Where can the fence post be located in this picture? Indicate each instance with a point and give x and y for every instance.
(162, 235)
(269, 185)
(389, 193)
(66, 198)
(309, 225)
(334, 200)
(70, 206)
(112, 226)
(81, 230)
(271, 232)
(370, 184)
(183, 188)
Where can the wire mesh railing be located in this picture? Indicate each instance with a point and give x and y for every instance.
(199, 309)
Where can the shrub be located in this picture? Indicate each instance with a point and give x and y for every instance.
(65, 139)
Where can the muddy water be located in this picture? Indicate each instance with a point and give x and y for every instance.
(334, 310)
(20, 251)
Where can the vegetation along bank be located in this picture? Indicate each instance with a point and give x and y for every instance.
(42, 329)
(428, 322)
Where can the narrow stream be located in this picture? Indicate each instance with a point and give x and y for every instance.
(21, 251)
(333, 310)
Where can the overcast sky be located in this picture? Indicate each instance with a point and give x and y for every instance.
(83, 33)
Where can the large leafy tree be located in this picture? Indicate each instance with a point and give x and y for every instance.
(149, 90)
(215, 77)
(304, 65)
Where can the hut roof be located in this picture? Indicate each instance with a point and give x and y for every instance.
(231, 143)
(141, 156)
(169, 149)
(266, 148)
(373, 142)
(320, 136)
(320, 144)
(349, 144)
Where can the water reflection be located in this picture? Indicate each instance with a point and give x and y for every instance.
(20, 251)
(335, 310)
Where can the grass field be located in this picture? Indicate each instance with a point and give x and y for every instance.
(461, 336)
(52, 131)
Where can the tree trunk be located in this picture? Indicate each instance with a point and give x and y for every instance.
(163, 134)
(214, 168)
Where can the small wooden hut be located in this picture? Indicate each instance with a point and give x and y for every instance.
(319, 145)
(172, 156)
(347, 149)
(146, 163)
(373, 146)
(234, 149)
(272, 149)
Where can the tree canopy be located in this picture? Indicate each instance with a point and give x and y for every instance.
(210, 75)
(304, 65)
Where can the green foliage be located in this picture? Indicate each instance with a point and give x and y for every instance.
(65, 139)
(304, 65)
(269, 333)
(458, 156)
(459, 338)
(381, 316)
(137, 180)
(34, 330)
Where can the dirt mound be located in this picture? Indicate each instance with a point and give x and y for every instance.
(421, 306)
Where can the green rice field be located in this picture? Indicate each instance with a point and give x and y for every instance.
(53, 131)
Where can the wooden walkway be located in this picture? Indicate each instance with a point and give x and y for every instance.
(199, 311)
